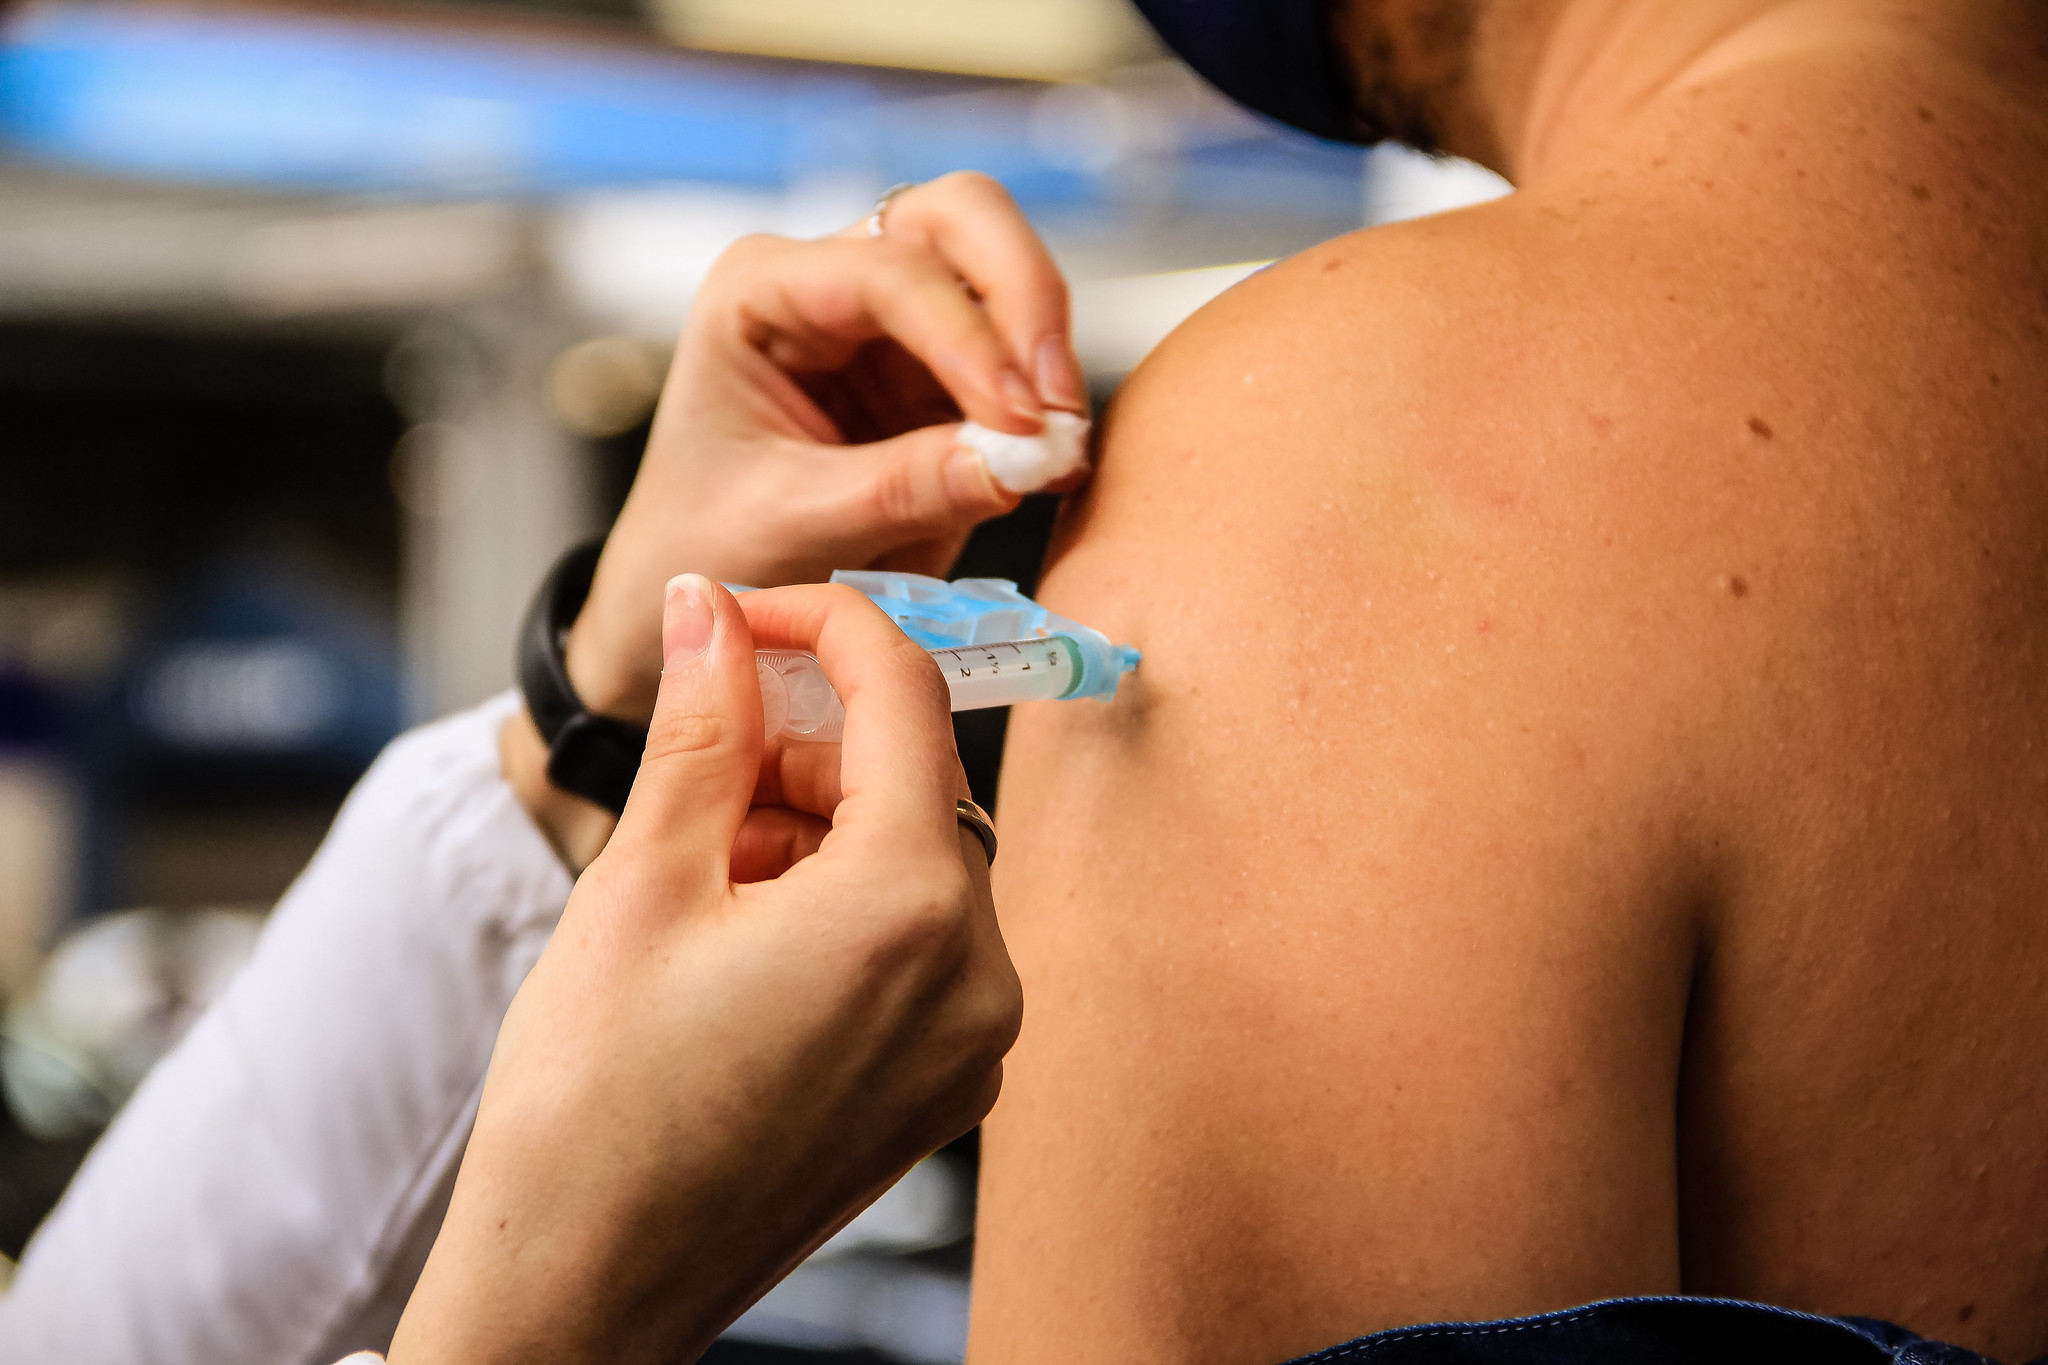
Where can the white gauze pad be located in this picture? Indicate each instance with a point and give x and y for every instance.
(1025, 464)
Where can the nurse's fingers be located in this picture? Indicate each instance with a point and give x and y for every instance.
(922, 486)
(899, 774)
(807, 306)
(971, 221)
(703, 745)
(774, 839)
(801, 774)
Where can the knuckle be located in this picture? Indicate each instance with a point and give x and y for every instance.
(752, 247)
(987, 1090)
(932, 918)
(689, 733)
(893, 498)
(974, 187)
(741, 257)
(926, 930)
(997, 1016)
(924, 675)
(844, 595)
(966, 1102)
(980, 1033)
(1057, 291)
(738, 268)
(900, 267)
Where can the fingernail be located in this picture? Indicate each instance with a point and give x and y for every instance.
(685, 619)
(968, 481)
(1059, 376)
(1023, 398)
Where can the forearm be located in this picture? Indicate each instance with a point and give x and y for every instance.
(277, 1182)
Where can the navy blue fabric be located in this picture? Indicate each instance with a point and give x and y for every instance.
(1651, 1331)
(1270, 55)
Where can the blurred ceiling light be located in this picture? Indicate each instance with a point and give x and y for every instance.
(606, 386)
(272, 693)
(1033, 39)
(1118, 322)
(631, 259)
(1093, 127)
(432, 472)
(379, 258)
(312, 102)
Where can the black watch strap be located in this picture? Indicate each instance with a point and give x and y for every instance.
(596, 757)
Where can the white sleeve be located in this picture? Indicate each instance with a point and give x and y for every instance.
(270, 1193)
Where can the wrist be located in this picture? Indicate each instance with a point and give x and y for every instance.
(615, 668)
(577, 829)
(613, 650)
(590, 754)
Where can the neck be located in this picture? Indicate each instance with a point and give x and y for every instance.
(1545, 77)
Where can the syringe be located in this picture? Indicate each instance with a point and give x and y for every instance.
(994, 646)
(797, 701)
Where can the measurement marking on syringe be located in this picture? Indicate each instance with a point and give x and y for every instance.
(1001, 661)
(799, 701)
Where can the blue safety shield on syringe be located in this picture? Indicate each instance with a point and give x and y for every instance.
(994, 645)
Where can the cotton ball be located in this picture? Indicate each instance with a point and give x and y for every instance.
(1025, 464)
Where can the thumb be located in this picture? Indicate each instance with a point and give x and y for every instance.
(703, 754)
(922, 485)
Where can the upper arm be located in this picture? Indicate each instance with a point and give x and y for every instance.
(1354, 955)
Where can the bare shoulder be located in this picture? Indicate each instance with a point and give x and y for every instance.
(1361, 816)
(1557, 616)
(1663, 399)
(1446, 447)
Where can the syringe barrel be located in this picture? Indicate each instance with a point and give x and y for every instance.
(981, 676)
(798, 702)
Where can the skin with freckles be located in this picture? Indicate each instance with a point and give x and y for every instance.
(1581, 824)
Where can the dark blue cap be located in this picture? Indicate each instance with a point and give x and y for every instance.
(1274, 56)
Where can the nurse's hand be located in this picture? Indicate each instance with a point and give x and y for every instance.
(702, 1079)
(807, 424)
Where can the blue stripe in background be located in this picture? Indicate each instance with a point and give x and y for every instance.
(324, 105)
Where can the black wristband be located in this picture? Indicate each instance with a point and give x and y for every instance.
(595, 757)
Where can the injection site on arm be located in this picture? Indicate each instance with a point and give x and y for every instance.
(994, 646)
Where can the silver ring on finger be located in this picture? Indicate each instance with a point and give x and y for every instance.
(881, 208)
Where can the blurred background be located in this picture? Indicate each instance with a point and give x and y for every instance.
(324, 327)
